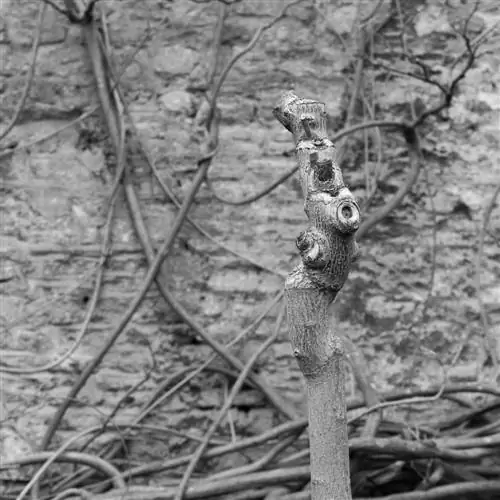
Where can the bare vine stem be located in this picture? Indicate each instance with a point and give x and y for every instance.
(204, 163)
(489, 338)
(242, 52)
(227, 405)
(119, 482)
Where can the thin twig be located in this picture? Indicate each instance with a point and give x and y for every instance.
(143, 235)
(489, 338)
(48, 458)
(299, 426)
(380, 214)
(262, 462)
(204, 163)
(168, 190)
(109, 418)
(150, 33)
(255, 197)
(56, 7)
(84, 494)
(96, 293)
(245, 50)
(227, 405)
(372, 14)
(402, 402)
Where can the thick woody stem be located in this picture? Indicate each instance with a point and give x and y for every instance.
(327, 249)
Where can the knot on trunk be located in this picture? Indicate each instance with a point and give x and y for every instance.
(327, 247)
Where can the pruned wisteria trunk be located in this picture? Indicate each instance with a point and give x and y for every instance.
(327, 248)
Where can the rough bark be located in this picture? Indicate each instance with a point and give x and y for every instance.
(327, 249)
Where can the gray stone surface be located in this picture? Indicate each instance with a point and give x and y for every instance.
(55, 195)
